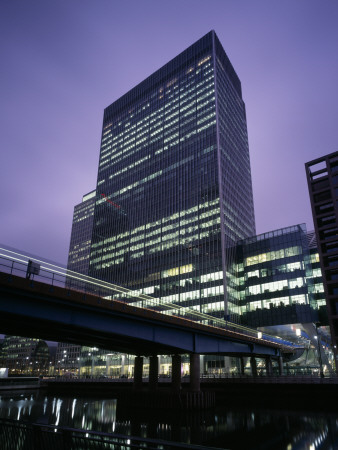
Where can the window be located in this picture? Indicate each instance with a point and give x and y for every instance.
(327, 207)
(331, 261)
(323, 196)
(320, 185)
(334, 167)
(330, 247)
(328, 233)
(326, 220)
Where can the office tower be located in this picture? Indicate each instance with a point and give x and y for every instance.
(25, 356)
(80, 240)
(68, 355)
(174, 188)
(67, 358)
(322, 178)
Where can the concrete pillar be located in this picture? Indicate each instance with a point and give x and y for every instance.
(194, 371)
(107, 365)
(242, 365)
(176, 372)
(153, 371)
(123, 362)
(280, 365)
(227, 364)
(253, 365)
(268, 366)
(138, 368)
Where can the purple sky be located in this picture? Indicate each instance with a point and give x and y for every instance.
(63, 62)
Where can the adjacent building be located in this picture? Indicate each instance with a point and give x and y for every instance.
(322, 177)
(281, 293)
(67, 358)
(81, 235)
(174, 189)
(276, 278)
(68, 355)
(25, 356)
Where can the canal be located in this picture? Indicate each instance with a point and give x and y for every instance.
(231, 426)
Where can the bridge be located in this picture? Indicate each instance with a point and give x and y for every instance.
(42, 300)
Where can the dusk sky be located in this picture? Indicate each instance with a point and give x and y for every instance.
(63, 62)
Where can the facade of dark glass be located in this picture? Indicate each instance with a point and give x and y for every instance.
(322, 178)
(81, 235)
(174, 188)
(67, 358)
(25, 355)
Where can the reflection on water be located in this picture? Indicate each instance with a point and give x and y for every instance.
(85, 413)
(226, 427)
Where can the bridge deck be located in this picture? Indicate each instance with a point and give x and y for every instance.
(48, 307)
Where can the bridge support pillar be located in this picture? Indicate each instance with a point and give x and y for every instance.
(107, 365)
(124, 366)
(280, 365)
(242, 365)
(253, 365)
(153, 372)
(138, 368)
(194, 372)
(176, 372)
(268, 366)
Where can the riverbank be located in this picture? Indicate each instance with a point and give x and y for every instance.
(19, 383)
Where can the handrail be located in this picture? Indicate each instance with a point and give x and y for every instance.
(15, 262)
(36, 435)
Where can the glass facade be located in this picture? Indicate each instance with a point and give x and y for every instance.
(277, 286)
(25, 356)
(317, 280)
(80, 240)
(67, 358)
(174, 187)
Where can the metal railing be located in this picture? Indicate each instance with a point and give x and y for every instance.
(262, 377)
(15, 263)
(16, 435)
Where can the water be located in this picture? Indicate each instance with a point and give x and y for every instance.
(231, 427)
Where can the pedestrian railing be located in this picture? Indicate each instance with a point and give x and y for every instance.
(280, 379)
(16, 435)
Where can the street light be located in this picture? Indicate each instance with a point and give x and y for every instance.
(317, 324)
(94, 349)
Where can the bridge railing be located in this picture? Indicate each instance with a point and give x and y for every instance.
(14, 262)
(35, 436)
